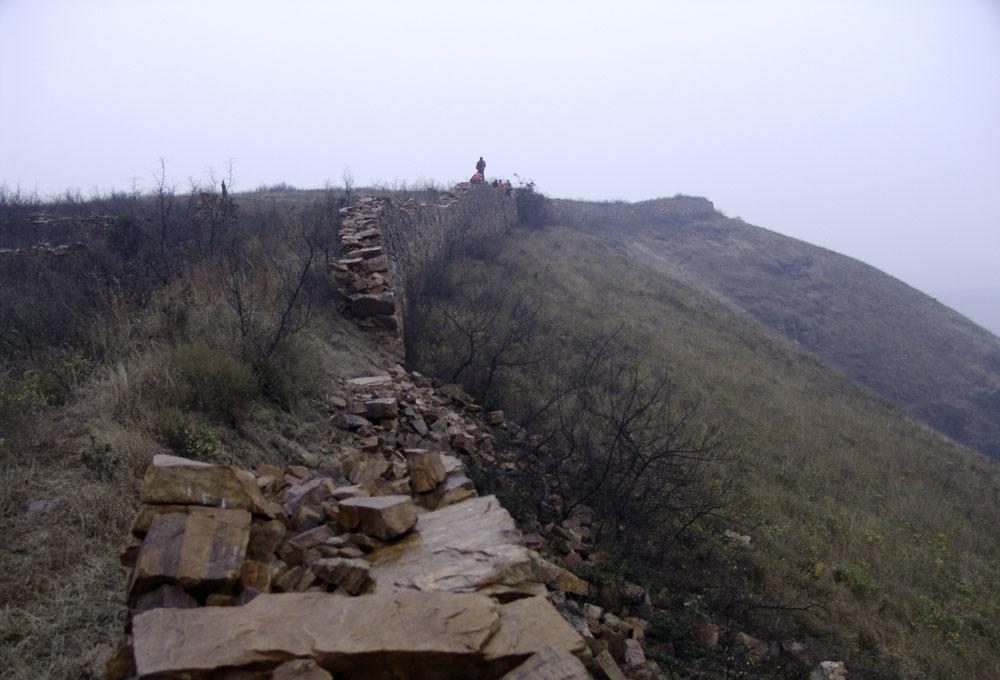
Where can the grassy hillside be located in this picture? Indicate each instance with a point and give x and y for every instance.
(879, 331)
(131, 346)
(874, 538)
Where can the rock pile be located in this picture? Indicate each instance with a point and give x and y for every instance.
(386, 565)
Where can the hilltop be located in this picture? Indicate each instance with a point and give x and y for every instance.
(854, 506)
(881, 332)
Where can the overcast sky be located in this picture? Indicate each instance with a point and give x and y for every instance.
(869, 126)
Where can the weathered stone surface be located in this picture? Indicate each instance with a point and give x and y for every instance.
(295, 580)
(528, 626)
(403, 635)
(635, 657)
(549, 664)
(557, 578)
(255, 575)
(265, 537)
(351, 422)
(300, 669)
(365, 305)
(311, 492)
(350, 574)
(384, 517)
(452, 465)
(220, 486)
(366, 253)
(607, 667)
(192, 550)
(168, 595)
(425, 468)
(294, 550)
(381, 409)
(454, 489)
(360, 468)
(461, 548)
(147, 513)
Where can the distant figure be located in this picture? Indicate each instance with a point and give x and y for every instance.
(508, 188)
(224, 190)
(477, 179)
(481, 168)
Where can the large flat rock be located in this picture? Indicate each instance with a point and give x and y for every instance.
(461, 548)
(182, 482)
(400, 635)
(405, 635)
(192, 550)
(527, 627)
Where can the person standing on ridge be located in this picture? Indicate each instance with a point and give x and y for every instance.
(481, 167)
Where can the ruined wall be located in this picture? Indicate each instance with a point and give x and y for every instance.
(415, 234)
(386, 245)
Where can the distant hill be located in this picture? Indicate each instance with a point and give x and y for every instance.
(879, 331)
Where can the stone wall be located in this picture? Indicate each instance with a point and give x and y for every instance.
(416, 234)
(387, 244)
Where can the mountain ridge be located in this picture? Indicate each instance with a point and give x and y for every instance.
(876, 328)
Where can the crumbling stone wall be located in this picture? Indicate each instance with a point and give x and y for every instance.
(415, 234)
(386, 245)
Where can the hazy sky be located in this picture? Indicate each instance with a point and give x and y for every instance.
(868, 126)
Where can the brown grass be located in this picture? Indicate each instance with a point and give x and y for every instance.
(852, 504)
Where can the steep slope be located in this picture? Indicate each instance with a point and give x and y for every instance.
(878, 330)
(873, 536)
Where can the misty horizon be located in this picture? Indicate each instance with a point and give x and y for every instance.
(873, 131)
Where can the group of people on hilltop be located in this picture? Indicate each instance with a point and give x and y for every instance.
(480, 178)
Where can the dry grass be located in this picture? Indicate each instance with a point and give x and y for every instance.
(153, 372)
(853, 504)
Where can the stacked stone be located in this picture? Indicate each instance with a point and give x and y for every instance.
(362, 272)
(230, 566)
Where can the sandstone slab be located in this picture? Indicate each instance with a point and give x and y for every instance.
(195, 483)
(527, 627)
(560, 579)
(550, 664)
(461, 548)
(192, 551)
(405, 635)
(384, 517)
(426, 469)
